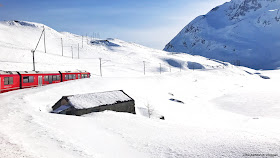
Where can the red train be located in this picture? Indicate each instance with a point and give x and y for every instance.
(13, 80)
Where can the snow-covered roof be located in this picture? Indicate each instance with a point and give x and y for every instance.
(83, 101)
(7, 72)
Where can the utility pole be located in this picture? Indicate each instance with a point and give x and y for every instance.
(180, 67)
(159, 68)
(144, 67)
(72, 51)
(100, 60)
(33, 51)
(62, 46)
(78, 51)
(45, 39)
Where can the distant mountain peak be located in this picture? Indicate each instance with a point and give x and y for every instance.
(247, 31)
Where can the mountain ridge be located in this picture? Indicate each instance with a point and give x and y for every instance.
(237, 31)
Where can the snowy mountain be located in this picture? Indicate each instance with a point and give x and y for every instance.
(242, 32)
(211, 108)
(18, 38)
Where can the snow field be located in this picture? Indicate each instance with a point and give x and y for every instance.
(226, 112)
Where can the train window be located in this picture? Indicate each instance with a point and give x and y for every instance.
(11, 80)
(28, 79)
(46, 78)
(31, 79)
(54, 78)
(70, 77)
(25, 79)
(50, 79)
(8, 80)
(66, 77)
(74, 76)
(58, 77)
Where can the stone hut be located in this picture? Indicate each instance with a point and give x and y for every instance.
(95, 102)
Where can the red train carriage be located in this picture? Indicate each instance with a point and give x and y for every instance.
(12, 80)
(51, 77)
(85, 74)
(37, 78)
(70, 75)
(9, 80)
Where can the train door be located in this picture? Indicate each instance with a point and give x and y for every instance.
(40, 81)
(0, 84)
(79, 76)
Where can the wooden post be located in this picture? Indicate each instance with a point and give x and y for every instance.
(45, 39)
(72, 51)
(144, 67)
(62, 46)
(180, 67)
(33, 51)
(159, 68)
(78, 51)
(100, 60)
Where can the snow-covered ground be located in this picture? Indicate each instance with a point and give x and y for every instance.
(225, 111)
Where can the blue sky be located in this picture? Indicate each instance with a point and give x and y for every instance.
(151, 23)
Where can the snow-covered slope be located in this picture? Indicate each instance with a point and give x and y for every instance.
(245, 31)
(17, 39)
(225, 111)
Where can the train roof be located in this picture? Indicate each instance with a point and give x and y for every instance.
(77, 71)
(38, 72)
(8, 72)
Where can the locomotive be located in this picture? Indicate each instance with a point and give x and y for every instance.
(13, 80)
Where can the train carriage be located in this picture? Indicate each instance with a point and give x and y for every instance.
(51, 77)
(9, 80)
(85, 74)
(37, 78)
(13, 80)
(70, 75)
